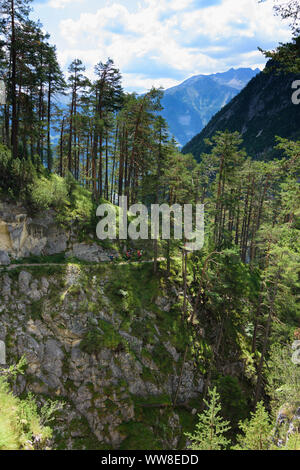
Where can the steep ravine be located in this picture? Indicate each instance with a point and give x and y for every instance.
(107, 340)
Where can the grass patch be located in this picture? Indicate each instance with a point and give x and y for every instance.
(36, 309)
(162, 358)
(58, 258)
(138, 437)
(103, 337)
(137, 280)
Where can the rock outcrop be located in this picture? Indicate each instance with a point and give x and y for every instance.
(287, 423)
(22, 236)
(88, 343)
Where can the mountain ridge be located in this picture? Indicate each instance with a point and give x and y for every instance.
(189, 106)
(260, 112)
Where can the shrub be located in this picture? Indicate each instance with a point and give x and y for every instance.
(233, 400)
(48, 192)
(256, 432)
(15, 175)
(21, 426)
(95, 340)
(211, 429)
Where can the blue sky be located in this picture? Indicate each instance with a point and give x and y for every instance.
(161, 42)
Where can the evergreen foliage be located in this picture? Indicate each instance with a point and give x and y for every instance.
(238, 306)
(23, 424)
(256, 432)
(211, 428)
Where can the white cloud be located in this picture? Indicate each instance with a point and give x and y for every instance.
(140, 82)
(171, 37)
(62, 3)
(245, 18)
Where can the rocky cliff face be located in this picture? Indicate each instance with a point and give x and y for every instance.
(107, 340)
(22, 236)
(84, 344)
(287, 424)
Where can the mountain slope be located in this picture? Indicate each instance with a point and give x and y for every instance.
(261, 111)
(189, 106)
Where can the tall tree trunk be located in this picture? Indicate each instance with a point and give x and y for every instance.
(94, 160)
(106, 168)
(49, 158)
(217, 213)
(155, 255)
(259, 215)
(14, 128)
(266, 341)
(70, 165)
(113, 167)
(100, 169)
(61, 147)
(168, 258)
(6, 114)
(87, 163)
(121, 165)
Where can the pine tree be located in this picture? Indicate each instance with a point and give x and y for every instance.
(257, 431)
(211, 428)
(108, 100)
(286, 56)
(76, 81)
(14, 13)
(56, 84)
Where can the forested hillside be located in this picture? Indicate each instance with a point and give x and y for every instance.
(141, 344)
(260, 112)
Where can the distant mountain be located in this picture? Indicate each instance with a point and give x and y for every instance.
(261, 111)
(189, 106)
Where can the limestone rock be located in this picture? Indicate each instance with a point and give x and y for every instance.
(98, 387)
(22, 236)
(4, 258)
(288, 419)
(163, 303)
(2, 353)
(6, 285)
(24, 280)
(91, 253)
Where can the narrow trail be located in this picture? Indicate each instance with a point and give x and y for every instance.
(112, 263)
